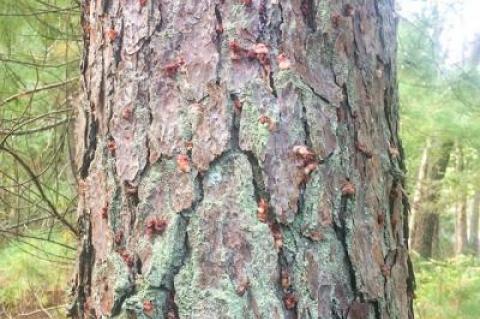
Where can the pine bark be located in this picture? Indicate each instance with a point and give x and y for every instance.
(241, 159)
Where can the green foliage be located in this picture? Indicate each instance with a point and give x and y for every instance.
(33, 272)
(447, 289)
(438, 100)
(440, 103)
(40, 45)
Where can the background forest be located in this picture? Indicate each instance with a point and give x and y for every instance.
(40, 53)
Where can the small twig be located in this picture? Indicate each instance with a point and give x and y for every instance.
(40, 310)
(34, 130)
(34, 178)
(36, 90)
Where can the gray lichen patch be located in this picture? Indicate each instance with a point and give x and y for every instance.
(165, 190)
(232, 267)
(114, 281)
(320, 202)
(257, 102)
(167, 255)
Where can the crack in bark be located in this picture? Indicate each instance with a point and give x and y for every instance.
(279, 27)
(376, 308)
(235, 131)
(86, 39)
(117, 45)
(219, 41)
(306, 127)
(341, 234)
(271, 83)
(308, 11)
(282, 260)
(104, 5)
(91, 139)
(321, 97)
(86, 260)
(262, 13)
(340, 226)
(257, 173)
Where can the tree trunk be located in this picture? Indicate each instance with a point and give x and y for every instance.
(474, 219)
(242, 160)
(427, 222)
(461, 239)
(420, 189)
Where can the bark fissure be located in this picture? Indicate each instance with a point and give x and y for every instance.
(262, 14)
(82, 281)
(309, 11)
(219, 41)
(186, 213)
(89, 153)
(279, 27)
(341, 233)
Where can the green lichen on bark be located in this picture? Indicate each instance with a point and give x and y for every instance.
(232, 258)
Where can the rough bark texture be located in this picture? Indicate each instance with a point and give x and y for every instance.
(426, 224)
(242, 160)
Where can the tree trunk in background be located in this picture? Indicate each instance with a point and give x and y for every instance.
(461, 239)
(242, 160)
(474, 219)
(420, 189)
(427, 220)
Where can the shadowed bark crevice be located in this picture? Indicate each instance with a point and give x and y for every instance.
(83, 277)
(341, 231)
(219, 41)
(309, 12)
(90, 147)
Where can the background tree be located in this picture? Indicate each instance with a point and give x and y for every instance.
(241, 160)
(474, 221)
(439, 104)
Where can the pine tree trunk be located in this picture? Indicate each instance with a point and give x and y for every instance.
(427, 221)
(241, 160)
(461, 239)
(474, 220)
